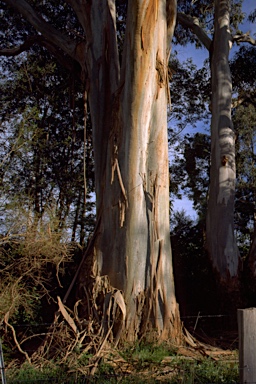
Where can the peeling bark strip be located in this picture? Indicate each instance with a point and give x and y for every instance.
(66, 316)
(122, 204)
(138, 259)
(149, 17)
(161, 71)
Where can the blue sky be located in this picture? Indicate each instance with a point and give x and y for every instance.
(198, 57)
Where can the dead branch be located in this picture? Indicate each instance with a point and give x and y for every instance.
(244, 38)
(31, 40)
(192, 23)
(117, 168)
(66, 316)
(6, 317)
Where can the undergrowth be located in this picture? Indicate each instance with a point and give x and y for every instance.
(140, 363)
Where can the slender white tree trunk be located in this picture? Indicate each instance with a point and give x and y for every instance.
(221, 240)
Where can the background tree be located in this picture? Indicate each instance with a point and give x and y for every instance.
(221, 241)
(191, 165)
(244, 75)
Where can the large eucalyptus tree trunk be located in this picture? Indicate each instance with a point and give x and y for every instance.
(127, 277)
(221, 240)
(129, 114)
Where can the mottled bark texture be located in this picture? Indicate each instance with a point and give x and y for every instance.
(129, 113)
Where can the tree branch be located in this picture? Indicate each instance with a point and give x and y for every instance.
(249, 98)
(63, 59)
(46, 29)
(244, 38)
(193, 24)
(21, 48)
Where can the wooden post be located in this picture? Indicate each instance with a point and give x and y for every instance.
(247, 344)
(2, 364)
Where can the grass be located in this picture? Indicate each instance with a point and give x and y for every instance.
(140, 363)
(29, 374)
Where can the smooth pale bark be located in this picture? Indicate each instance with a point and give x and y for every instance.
(220, 238)
(102, 76)
(133, 243)
(221, 241)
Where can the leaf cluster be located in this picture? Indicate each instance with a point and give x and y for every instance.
(243, 69)
(203, 12)
(42, 140)
(190, 169)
